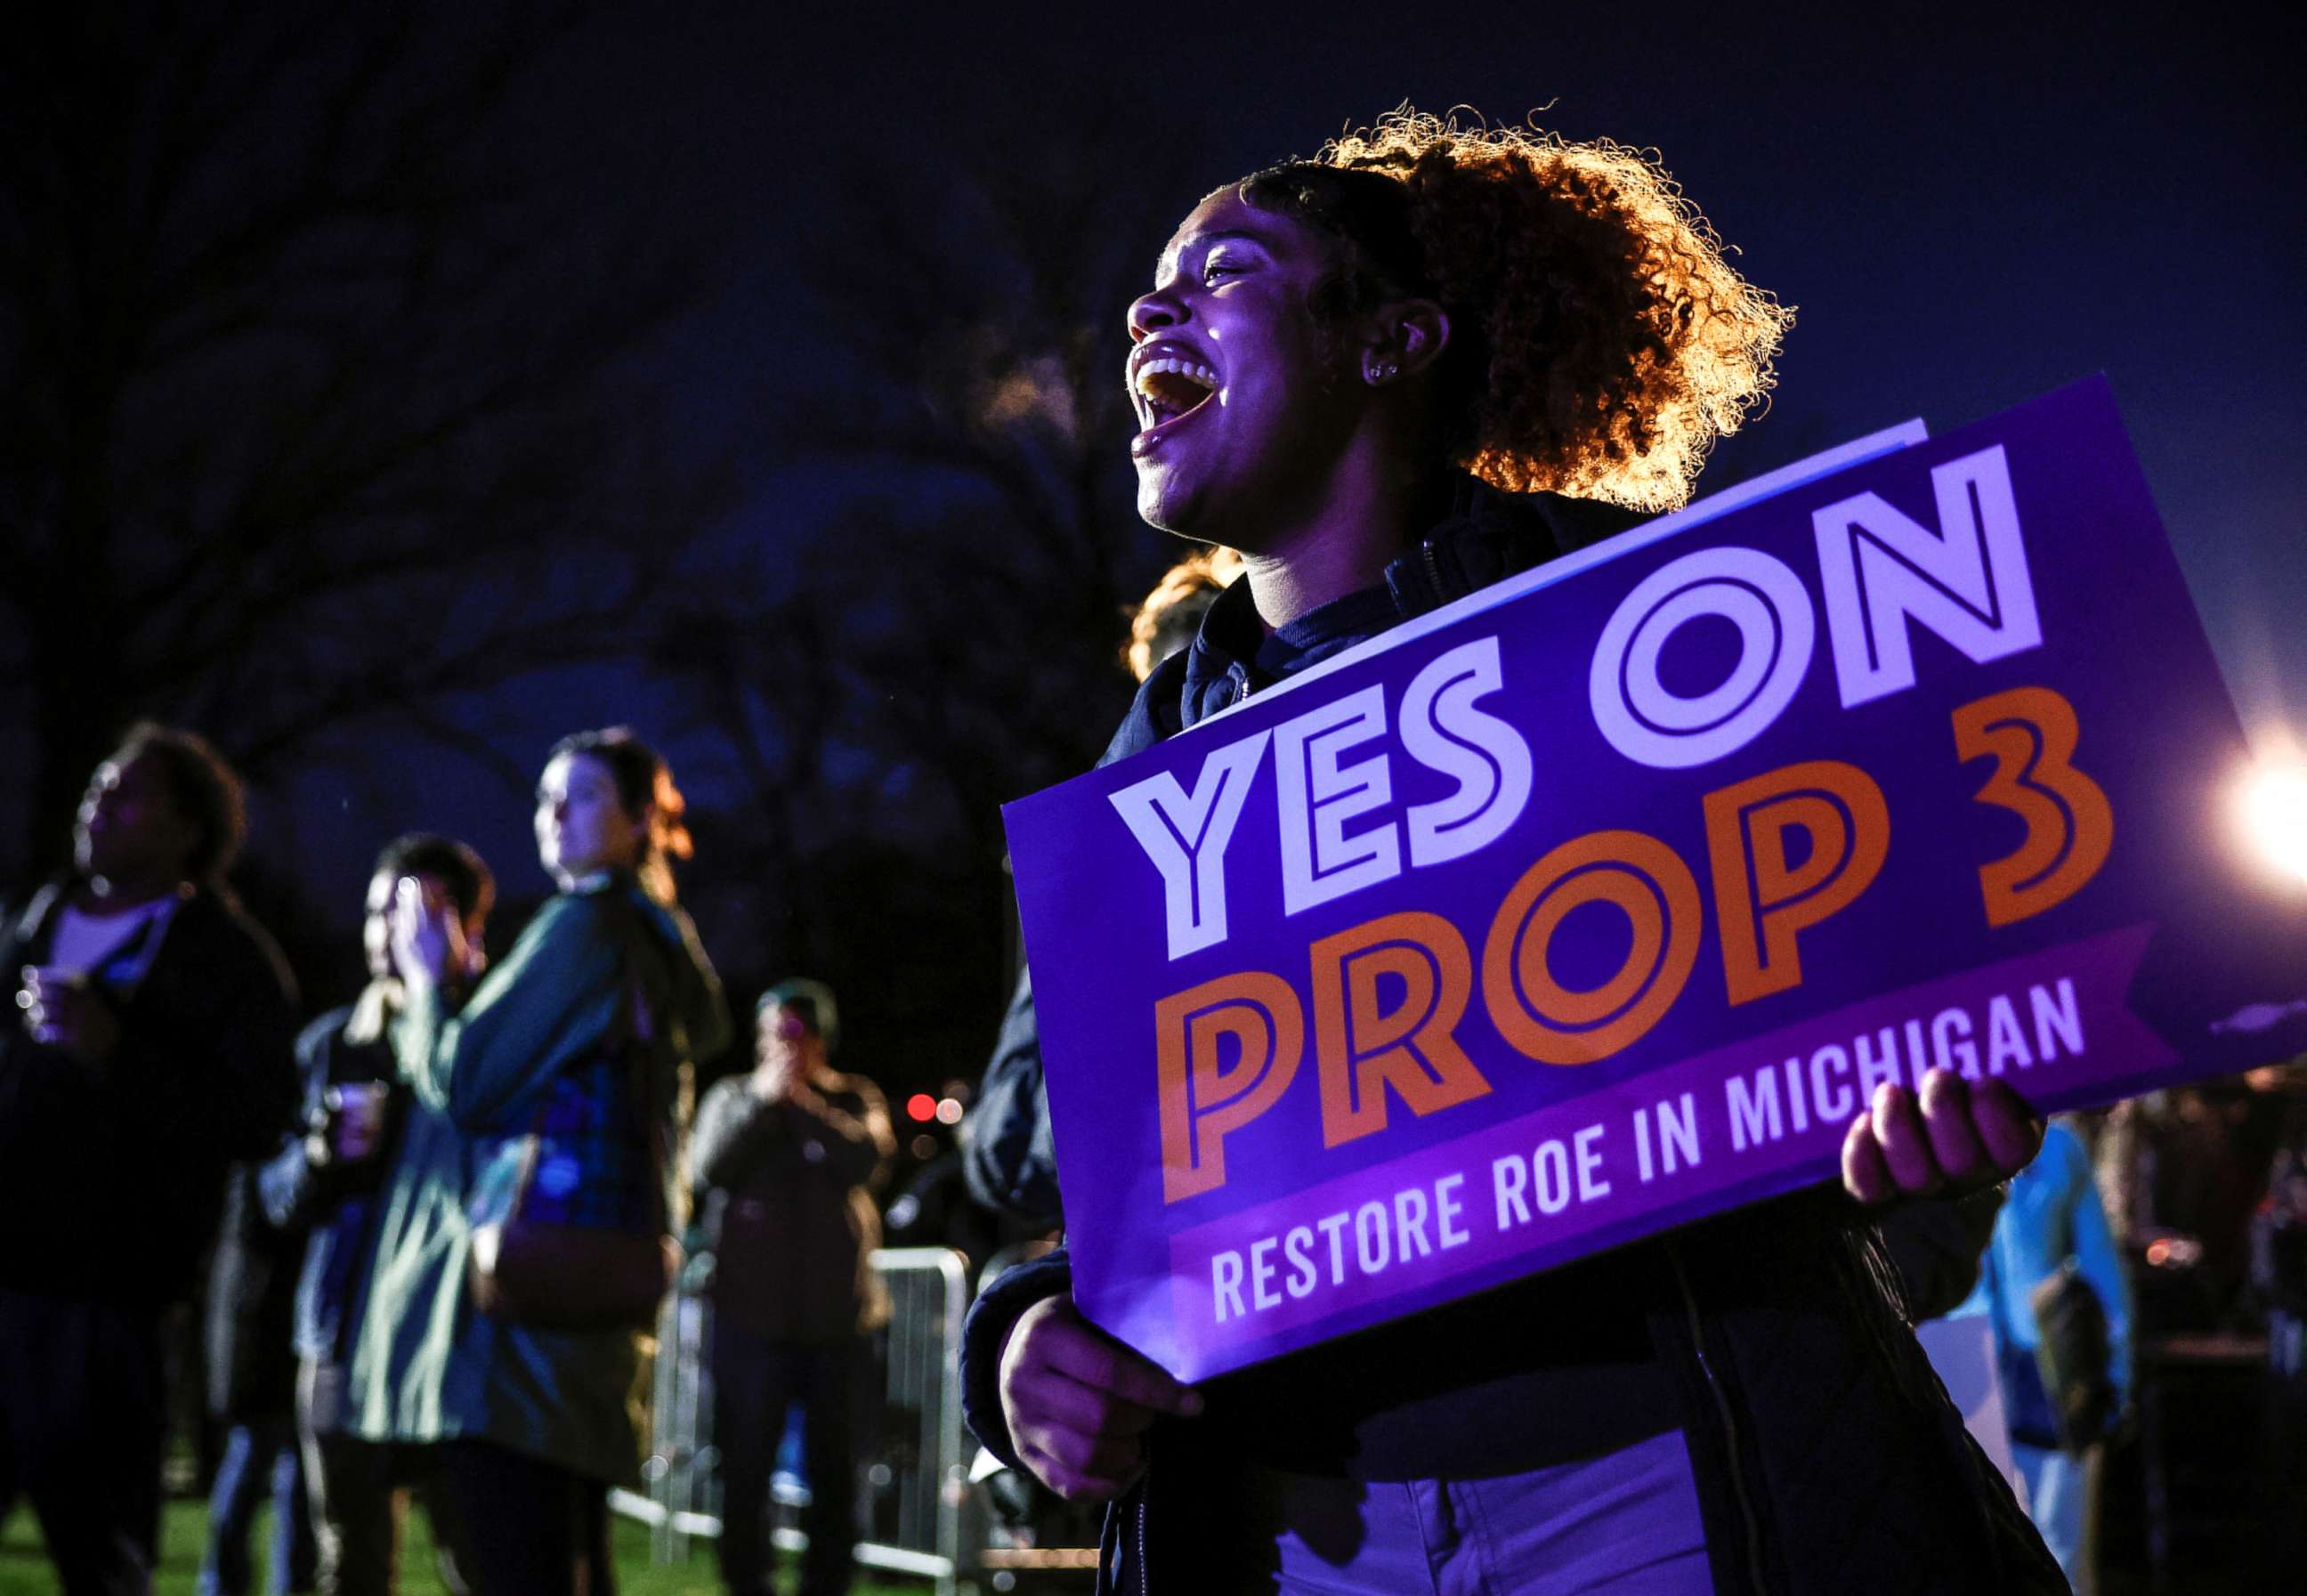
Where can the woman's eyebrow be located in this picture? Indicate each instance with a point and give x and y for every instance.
(1203, 240)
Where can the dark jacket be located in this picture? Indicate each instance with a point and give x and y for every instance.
(250, 1312)
(785, 1190)
(1006, 1155)
(112, 1178)
(331, 1209)
(1827, 1456)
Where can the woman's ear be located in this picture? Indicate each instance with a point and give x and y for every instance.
(1407, 335)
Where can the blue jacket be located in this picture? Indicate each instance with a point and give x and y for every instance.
(2053, 1214)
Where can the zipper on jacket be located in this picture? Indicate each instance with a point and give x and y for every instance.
(1433, 560)
(1729, 1421)
(1144, 1584)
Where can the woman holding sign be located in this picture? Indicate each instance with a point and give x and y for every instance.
(1421, 362)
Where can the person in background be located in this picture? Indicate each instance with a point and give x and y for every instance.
(1007, 1154)
(546, 1093)
(2053, 1220)
(152, 1051)
(785, 1161)
(251, 1392)
(322, 1183)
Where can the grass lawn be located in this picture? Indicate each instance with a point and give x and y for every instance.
(183, 1527)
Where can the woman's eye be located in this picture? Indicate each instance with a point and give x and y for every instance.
(1216, 267)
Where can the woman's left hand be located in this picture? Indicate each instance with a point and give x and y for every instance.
(1948, 1139)
(428, 941)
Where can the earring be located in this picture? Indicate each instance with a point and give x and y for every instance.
(1382, 370)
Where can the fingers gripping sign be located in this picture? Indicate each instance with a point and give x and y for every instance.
(1078, 1403)
(1951, 1136)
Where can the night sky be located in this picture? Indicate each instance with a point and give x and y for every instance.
(1965, 213)
(1968, 212)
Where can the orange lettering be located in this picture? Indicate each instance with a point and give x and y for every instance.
(1204, 1099)
(2031, 732)
(1651, 887)
(1763, 902)
(1412, 1048)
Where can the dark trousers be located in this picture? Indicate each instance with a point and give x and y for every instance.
(258, 1456)
(351, 1483)
(755, 1381)
(521, 1526)
(82, 1413)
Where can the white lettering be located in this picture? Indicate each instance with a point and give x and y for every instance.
(1409, 1223)
(2056, 1018)
(2006, 1043)
(1450, 1211)
(1318, 795)
(1225, 1285)
(1441, 729)
(1951, 1042)
(1967, 582)
(1332, 1227)
(1677, 1123)
(1651, 724)
(1508, 1180)
(1261, 1273)
(1753, 1111)
(1297, 1246)
(1373, 1242)
(1834, 1103)
(1185, 835)
(1878, 1061)
(1590, 1184)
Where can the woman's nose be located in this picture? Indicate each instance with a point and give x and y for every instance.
(1152, 312)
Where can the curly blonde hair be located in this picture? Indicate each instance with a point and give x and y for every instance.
(1172, 613)
(1600, 342)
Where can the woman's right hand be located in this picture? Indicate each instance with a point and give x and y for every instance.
(428, 940)
(1078, 1403)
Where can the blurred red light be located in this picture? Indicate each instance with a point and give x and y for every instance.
(921, 1106)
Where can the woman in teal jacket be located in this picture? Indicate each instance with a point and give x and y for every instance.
(531, 1425)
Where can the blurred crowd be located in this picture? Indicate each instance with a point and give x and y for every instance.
(410, 1251)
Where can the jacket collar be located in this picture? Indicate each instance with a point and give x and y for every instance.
(1486, 536)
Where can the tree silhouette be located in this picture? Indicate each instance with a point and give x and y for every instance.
(310, 373)
(948, 638)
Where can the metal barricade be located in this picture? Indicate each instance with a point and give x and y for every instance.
(912, 1493)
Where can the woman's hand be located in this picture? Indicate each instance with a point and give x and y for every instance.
(428, 942)
(1949, 1139)
(62, 1010)
(1078, 1403)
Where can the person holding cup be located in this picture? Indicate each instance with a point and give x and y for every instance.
(149, 1051)
(324, 1182)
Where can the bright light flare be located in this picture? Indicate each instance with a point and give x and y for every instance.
(2274, 816)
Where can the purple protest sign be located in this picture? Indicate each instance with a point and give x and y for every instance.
(1601, 901)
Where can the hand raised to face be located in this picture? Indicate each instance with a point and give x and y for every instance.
(428, 939)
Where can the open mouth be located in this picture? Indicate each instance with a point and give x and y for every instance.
(1170, 386)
